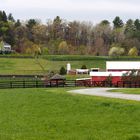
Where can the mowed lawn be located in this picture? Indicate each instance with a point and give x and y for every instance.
(31, 66)
(54, 114)
(127, 90)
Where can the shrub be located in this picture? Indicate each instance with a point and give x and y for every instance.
(62, 71)
(133, 52)
(63, 48)
(83, 67)
(116, 50)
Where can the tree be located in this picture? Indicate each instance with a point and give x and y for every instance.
(31, 23)
(62, 71)
(36, 49)
(105, 22)
(84, 67)
(57, 30)
(137, 24)
(116, 50)
(1, 45)
(102, 38)
(129, 28)
(4, 16)
(39, 34)
(18, 23)
(137, 32)
(63, 48)
(133, 52)
(118, 23)
(11, 18)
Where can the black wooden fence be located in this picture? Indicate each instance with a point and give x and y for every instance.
(65, 83)
(35, 84)
(128, 84)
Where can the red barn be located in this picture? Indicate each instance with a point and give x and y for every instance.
(102, 76)
(115, 70)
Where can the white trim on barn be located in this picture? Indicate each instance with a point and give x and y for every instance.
(107, 73)
(80, 79)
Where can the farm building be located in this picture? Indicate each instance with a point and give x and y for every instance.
(115, 70)
(5, 47)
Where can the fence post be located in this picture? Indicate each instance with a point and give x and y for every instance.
(23, 84)
(123, 84)
(50, 84)
(11, 84)
(36, 84)
(130, 84)
(57, 83)
(75, 83)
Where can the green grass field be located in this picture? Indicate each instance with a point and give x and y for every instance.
(127, 90)
(54, 63)
(30, 66)
(54, 114)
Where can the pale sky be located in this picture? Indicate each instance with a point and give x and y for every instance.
(82, 10)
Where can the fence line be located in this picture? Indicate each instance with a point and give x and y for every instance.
(65, 83)
(36, 84)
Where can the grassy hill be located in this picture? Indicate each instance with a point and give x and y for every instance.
(54, 63)
(31, 66)
(54, 114)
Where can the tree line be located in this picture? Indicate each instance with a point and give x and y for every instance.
(59, 36)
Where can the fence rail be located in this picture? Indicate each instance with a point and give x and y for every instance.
(128, 84)
(36, 84)
(66, 83)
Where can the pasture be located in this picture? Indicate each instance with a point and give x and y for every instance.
(54, 63)
(54, 114)
(31, 66)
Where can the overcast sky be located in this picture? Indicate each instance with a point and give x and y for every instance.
(83, 10)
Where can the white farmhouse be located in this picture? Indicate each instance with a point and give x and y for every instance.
(5, 47)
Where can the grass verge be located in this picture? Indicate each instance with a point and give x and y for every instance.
(127, 90)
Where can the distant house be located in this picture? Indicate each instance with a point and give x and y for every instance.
(5, 48)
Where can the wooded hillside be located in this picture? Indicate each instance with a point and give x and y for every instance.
(59, 36)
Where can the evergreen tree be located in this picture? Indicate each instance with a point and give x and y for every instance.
(11, 18)
(129, 28)
(18, 23)
(4, 16)
(137, 24)
(62, 71)
(1, 16)
(31, 23)
(118, 23)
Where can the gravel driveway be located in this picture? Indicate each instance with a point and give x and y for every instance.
(104, 93)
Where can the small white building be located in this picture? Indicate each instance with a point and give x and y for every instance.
(5, 47)
(82, 71)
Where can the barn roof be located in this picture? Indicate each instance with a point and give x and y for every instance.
(122, 65)
(58, 77)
